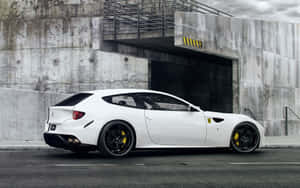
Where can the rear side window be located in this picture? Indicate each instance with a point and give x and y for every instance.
(155, 101)
(75, 99)
(128, 100)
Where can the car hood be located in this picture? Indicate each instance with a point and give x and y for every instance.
(228, 116)
(221, 115)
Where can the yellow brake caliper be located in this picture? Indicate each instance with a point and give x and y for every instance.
(236, 137)
(125, 138)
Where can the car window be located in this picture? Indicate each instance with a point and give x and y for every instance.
(162, 102)
(75, 99)
(124, 100)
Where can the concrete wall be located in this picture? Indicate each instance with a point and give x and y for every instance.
(63, 56)
(52, 72)
(67, 70)
(52, 47)
(71, 32)
(27, 9)
(23, 113)
(49, 48)
(267, 55)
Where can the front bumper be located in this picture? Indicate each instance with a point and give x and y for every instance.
(66, 142)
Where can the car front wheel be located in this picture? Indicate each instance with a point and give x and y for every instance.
(116, 140)
(245, 138)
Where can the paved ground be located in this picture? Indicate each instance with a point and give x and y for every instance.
(191, 168)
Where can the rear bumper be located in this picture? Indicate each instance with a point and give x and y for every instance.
(64, 141)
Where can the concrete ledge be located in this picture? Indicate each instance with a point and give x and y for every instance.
(24, 145)
(282, 142)
(281, 147)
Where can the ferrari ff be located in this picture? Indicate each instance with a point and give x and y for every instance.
(117, 121)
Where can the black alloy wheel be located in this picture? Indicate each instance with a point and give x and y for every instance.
(117, 139)
(245, 138)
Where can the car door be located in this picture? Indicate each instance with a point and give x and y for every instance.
(170, 122)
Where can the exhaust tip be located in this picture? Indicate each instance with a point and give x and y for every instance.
(70, 140)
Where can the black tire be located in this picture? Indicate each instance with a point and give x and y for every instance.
(116, 140)
(245, 138)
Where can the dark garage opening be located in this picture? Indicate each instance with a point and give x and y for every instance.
(205, 83)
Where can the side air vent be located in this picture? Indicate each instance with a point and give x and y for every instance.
(218, 120)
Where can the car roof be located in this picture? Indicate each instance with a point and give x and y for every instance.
(106, 92)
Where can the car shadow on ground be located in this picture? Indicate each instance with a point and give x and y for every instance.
(189, 152)
(62, 154)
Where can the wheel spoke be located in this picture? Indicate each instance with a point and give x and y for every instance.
(115, 133)
(242, 132)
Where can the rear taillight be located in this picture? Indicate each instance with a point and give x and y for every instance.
(78, 115)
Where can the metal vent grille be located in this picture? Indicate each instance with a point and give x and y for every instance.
(138, 17)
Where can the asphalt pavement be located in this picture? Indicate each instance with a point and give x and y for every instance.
(183, 168)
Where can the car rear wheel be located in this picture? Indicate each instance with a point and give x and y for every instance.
(245, 138)
(117, 139)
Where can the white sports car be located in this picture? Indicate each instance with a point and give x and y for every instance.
(117, 121)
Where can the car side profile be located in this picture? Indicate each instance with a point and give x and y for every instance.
(117, 121)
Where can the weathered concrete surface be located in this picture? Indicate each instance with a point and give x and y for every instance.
(62, 55)
(54, 46)
(23, 113)
(56, 71)
(60, 71)
(71, 70)
(71, 32)
(268, 62)
(27, 9)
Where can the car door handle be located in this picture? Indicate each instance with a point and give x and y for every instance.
(147, 118)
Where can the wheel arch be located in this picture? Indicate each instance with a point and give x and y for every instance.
(118, 120)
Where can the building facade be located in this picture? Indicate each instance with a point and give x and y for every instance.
(52, 48)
